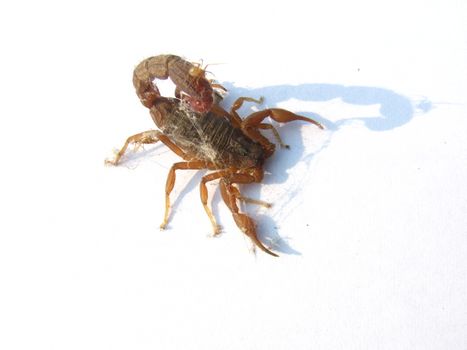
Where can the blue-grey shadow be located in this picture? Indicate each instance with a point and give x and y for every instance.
(395, 110)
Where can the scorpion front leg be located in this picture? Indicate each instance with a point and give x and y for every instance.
(233, 116)
(145, 137)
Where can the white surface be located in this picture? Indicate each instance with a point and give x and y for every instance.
(371, 212)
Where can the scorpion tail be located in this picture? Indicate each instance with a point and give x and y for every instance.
(156, 67)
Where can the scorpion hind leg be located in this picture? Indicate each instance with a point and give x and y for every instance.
(189, 165)
(204, 198)
(247, 225)
(244, 222)
(236, 192)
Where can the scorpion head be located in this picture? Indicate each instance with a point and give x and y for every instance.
(201, 104)
(200, 94)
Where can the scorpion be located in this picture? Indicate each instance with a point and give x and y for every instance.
(205, 136)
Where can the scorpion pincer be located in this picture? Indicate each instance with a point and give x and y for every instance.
(231, 147)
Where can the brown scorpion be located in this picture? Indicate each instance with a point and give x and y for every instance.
(206, 136)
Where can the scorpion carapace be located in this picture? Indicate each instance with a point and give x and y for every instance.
(206, 138)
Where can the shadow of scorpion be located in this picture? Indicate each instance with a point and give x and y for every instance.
(205, 136)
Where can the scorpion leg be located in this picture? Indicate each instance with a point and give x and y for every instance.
(254, 121)
(233, 116)
(221, 112)
(275, 132)
(269, 147)
(230, 195)
(240, 197)
(145, 137)
(204, 195)
(190, 165)
(217, 86)
(235, 192)
(277, 114)
(238, 104)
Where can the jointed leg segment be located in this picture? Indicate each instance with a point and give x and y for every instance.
(191, 165)
(145, 137)
(265, 126)
(204, 196)
(277, 114)
(230, 194)
(240, 197)
(254, 122)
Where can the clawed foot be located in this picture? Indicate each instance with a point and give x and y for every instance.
(255, 201)
(110, 162)
(116, 159)
(217, 230)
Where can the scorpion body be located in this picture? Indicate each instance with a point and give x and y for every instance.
(205, 136)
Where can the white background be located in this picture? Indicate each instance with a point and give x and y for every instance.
(369, 216)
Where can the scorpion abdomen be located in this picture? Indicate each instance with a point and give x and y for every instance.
(211, 138)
